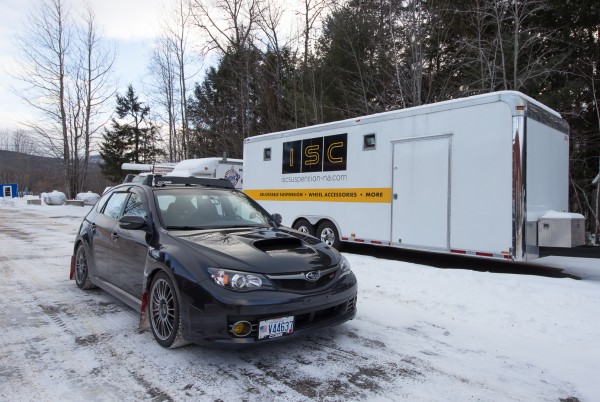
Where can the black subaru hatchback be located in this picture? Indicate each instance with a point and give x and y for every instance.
(203, 262)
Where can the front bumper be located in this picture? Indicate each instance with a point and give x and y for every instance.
(211, 322)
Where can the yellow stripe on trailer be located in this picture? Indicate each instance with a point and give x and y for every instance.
(374, 195)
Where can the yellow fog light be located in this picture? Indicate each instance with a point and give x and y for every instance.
(241, 328)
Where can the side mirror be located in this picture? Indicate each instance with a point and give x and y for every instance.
(131, 222)
(277, 218)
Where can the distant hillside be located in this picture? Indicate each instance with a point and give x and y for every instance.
(38, 174)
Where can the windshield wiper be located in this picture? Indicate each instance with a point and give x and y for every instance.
(248, 225)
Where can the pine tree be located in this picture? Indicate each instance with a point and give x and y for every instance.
(112, 151)
(134, 138)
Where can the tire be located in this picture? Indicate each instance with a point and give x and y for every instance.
(304, 226)
(327, 233)
(82, 273)
(163, 309)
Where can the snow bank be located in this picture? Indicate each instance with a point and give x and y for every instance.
(561, 215)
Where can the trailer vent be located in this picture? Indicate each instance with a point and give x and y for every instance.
(369, 142)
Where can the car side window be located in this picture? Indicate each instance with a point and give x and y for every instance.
(114, 206)
(135, 206)
(102, 201)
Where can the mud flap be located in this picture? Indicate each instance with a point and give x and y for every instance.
(72, 273)
(144, 319)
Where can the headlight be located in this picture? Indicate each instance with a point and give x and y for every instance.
(240, 281)
(344, 267)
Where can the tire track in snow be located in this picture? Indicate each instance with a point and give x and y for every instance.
(58, 323)
(88, 341)
(341, 365)
(269, 366)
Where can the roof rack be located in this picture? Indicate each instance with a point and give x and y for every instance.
(156, 180)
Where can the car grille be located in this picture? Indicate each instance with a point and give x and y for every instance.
(303, 284)
(300, 283)
(351, 304)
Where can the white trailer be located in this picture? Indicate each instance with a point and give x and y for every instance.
(220, 168)
(469, 176)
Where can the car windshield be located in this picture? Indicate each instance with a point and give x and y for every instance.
(208, 208)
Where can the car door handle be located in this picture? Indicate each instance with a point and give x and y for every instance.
(114, 236)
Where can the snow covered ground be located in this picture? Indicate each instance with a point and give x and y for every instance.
(421, 333)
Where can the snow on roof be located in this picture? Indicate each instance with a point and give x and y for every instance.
(200, 166)
(561, 215)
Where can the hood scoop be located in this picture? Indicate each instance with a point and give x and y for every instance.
(288, 243)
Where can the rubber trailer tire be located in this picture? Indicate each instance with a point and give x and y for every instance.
(304, 226)
(328, 233)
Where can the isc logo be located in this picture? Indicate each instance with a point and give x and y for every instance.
(320, 154)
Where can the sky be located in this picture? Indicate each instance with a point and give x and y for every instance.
(420, 334)
(130, 24)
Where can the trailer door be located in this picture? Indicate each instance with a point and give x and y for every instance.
(421, 188)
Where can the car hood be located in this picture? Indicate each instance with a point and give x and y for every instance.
(260, 250)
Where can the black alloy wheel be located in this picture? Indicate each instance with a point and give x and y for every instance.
(82, 275)
(163, 308)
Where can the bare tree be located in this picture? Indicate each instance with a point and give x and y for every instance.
(45, 47)
(507, 46)
(590, 74)
(162, 67)
(171, 62)
(313, 11)
(232, 34)
(423, 51)
(593, 73)
(413, 27)
(65, 74)
(18, 140)
(481, 50)
(270, 23)
(178, 33)
(233, 29)
(92, 90)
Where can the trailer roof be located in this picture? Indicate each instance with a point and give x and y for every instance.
(512, 98)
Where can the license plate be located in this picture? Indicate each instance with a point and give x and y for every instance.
(275, 327)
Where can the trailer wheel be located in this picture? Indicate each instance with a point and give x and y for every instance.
(329, 234)
(304, 226)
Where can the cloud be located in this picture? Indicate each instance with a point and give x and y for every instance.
(128, 20)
